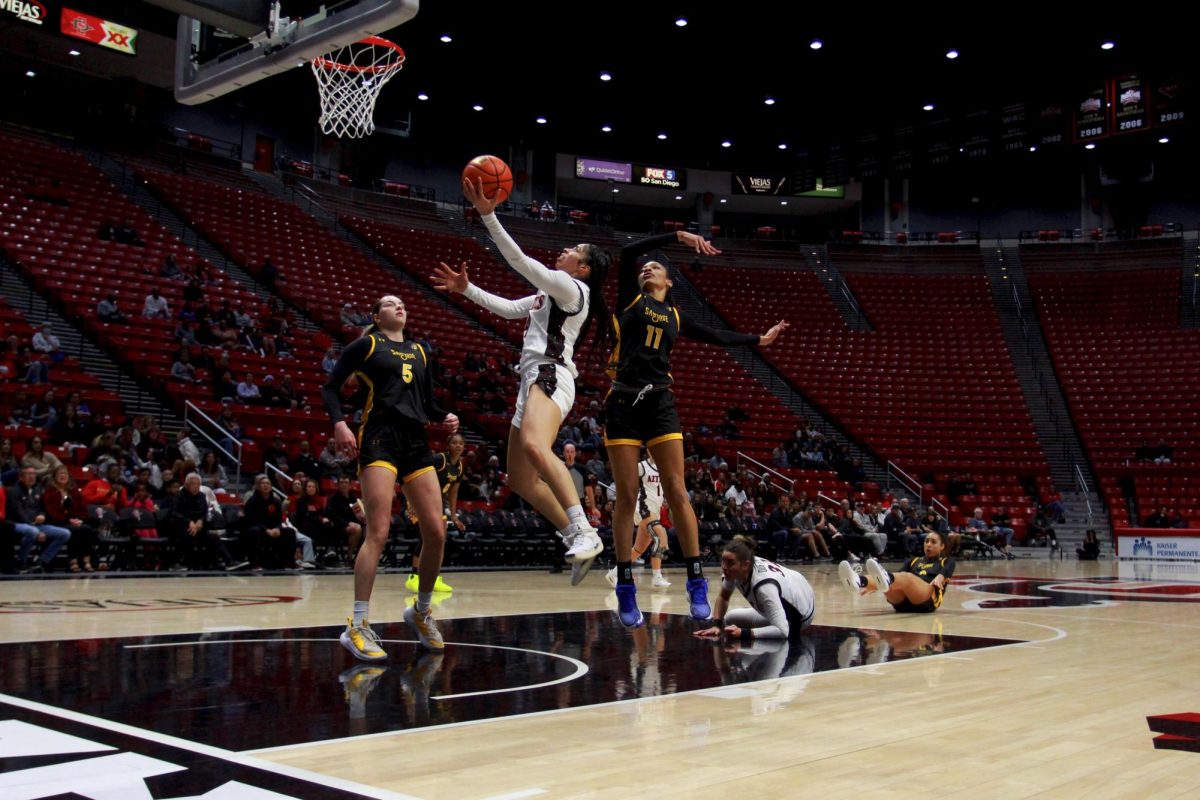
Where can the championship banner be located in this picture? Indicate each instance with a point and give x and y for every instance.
(99, 31)
(1091, 117)
(1130, 107)
(1168, 102)
(1014, 128)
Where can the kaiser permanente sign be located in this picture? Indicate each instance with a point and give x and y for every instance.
(98, 31)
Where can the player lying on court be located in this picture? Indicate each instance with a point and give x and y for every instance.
(918, 587)
(391, 446)
(782, 602)
(560, 313)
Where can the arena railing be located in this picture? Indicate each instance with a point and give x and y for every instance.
(190, 412)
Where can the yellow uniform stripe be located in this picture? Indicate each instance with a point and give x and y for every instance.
(415, 473)
(385, 464)
(619, 442)
(666, 437)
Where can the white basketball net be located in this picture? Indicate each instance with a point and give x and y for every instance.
(349, 81)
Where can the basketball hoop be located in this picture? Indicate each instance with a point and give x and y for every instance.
(349, 80)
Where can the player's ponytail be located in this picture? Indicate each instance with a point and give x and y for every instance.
(599, 261)
(742, 547)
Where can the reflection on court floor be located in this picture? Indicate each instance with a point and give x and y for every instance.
(246, 690)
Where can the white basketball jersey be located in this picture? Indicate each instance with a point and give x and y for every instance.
(551, 332)
(650, 495)
(794, 590)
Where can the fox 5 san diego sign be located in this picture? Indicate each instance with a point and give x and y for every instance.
(31, 11)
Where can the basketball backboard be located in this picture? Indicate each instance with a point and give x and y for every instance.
(211, 61)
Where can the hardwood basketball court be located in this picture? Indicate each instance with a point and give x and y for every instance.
(1035, 679)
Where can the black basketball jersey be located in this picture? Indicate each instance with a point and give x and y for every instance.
(398, 377)
(929, 568)
(646, 329)
(448, 472)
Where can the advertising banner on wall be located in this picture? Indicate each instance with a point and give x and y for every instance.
(99, 31)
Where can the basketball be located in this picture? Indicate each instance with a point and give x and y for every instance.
(495, 174)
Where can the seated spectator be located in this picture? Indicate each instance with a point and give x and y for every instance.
(1040, 530)
(23, 508)
(156, 306)
(288, 396)
(269, 543)
(352, 317)
(305, 462)
(188, 450)
(107, 493)
(107, 310)
(32, 366)
(247, 390)
(107, 231)
(170, 269)
(308, 514)
(36, 458)
(1089, 550)
(268, 392)
(44, 412)
(1158, 519)
(19, 411)
(65, 508)
(225, 387)
(190, 526)
(10, 467)
(276, 454)
(182, 369)
(329, 360)
(250, 340)
(212, 474)
(345, 512)
(44, 341)
(332, 462)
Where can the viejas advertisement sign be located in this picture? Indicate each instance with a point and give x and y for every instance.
(31, 11)
(745, 183)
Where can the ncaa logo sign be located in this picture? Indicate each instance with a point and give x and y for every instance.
(25, 10)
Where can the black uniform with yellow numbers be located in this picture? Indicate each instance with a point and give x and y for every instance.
(399, 381)
(927, 569)
(640, 407)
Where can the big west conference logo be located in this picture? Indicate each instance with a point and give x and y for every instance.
(25, 10)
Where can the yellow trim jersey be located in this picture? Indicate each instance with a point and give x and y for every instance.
(398, 377)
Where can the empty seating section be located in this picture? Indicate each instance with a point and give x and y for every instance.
(59, 249)
(1128, 372)
(932, 387)
(319, 272)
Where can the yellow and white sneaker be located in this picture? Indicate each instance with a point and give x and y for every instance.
(357, 682)
(362, 642)
(425, 627)
(413, 584)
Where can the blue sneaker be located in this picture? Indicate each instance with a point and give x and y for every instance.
(627, 607)
(697, 589)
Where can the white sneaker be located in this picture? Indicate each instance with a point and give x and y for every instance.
(849, 577)
(876, 571)
(584, 545)
(611, 577)
(580, 569)
(659, 582)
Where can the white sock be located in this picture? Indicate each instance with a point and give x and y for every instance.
(423, 601)
(576, 516)
(658, 573)
(360, 611)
